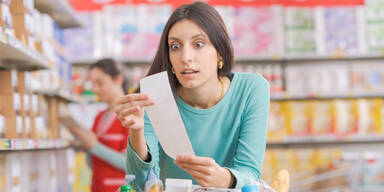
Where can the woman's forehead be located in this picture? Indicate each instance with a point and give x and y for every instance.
(185, 28)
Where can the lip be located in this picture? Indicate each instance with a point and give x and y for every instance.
(189, 75)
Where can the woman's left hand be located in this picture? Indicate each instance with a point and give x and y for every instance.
(205, 171)
(88, 138)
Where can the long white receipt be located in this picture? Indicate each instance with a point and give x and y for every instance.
(165, 116)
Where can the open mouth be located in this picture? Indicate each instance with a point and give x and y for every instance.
(189, 72)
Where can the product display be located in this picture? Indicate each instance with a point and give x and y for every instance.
(299, 31)
(334, 79)
(343, 20)
(325, 117)
(327, 168)
(258, 36)
(375, 28)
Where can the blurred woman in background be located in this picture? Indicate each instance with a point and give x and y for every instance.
(107, 142)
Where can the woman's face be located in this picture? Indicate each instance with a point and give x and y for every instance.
(102, 84)
(192, 54)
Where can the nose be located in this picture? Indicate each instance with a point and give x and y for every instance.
(187, 54)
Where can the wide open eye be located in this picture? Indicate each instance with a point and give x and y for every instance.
(199, 44)
(174, 46)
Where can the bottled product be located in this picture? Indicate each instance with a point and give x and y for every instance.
(125, 188)
(153, 184)
(130, 181)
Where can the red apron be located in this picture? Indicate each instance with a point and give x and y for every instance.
(112, 134)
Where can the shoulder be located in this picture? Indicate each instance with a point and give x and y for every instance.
(100, 114)
(251, 81)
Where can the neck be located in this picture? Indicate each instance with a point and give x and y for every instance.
(205, 96)
(111, 102)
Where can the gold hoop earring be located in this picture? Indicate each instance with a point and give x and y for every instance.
(220, 64)
(173, 70)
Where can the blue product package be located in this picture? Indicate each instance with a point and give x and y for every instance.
(250, 188)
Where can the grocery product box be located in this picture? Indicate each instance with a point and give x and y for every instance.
(20, 125)
(5, 17)
(21, 82)
(8, 103)
(47, 26)
(22, 6)
(16, 109)
(23, 26)
(8, 81)
(10, 127)
(2, 127)
(323, 121)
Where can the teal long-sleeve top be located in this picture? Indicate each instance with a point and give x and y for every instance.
(232, 132)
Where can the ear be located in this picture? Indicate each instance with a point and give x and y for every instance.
(119, 79)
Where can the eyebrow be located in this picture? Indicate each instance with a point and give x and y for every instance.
(195, 36)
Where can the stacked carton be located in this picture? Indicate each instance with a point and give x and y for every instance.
(6, 24)
(21, 11)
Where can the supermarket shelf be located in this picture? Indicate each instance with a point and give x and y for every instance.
(376, 188)
(298, 58)
(86, 62)
(9, 145)
(60, 11)
(58, 48)
(356, 95)
(14, 54)
(355, 143)
(58, 94)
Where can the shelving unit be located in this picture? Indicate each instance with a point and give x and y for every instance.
(38, 149)
(60, 95)
(139, 62)
(297, 58)
(60, 11)
(8, 145)
(17, 55)
(285, 97)
(355, 143)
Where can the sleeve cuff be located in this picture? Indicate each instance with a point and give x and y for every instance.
(95, 148)
(137, 161)
(239, 182)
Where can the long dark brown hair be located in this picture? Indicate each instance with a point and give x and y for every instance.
(210, 21)
(111, 68)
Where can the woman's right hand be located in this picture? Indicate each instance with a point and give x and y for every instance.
(130, 110)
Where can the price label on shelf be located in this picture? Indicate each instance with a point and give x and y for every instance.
(276, 57)
(2, 144)
(30, 144)
(36, 144)
(23, 144)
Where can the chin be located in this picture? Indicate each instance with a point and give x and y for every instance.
(188, 85)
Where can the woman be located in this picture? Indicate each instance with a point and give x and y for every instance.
(225, 114)
(107, 141)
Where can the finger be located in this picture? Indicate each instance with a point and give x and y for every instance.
(75, 131)
(129, 111)
(132, 97)
(145, 103)
(127, 123)
(200, 178)
(198, 168)
(192, 159)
